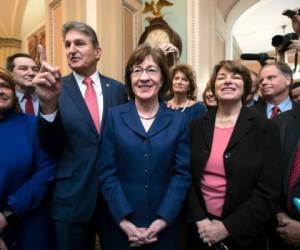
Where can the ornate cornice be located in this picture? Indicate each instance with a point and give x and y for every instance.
(10, 42)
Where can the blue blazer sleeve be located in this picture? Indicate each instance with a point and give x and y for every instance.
(32, 193)
(181, 179)
(109, 181)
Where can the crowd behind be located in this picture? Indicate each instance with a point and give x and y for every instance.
(144, 165)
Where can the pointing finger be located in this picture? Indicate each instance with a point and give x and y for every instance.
(42, 53)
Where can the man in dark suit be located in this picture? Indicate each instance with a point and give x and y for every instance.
(288, 216)
(73, 112)
(275, 80)
(23, 69)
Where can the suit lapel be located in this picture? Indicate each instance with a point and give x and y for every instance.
(162, 120)
(106, 94)
(243, 124)
(132, 120)
(208, 127)
(73, 91)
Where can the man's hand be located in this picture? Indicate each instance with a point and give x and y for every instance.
(47, 84)
(169, 48)
(288, 229)
(295, 44)
(296, 23)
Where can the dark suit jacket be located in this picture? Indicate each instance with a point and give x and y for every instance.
(145, 176)
(73, 138)
(261, 107)
(289, 125)
(252, 164)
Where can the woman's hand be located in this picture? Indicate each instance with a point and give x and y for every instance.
(202, 225)
(138, 235)
(155, 227)
(134, 233)
(215, 232)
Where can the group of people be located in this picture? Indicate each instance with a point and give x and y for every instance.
(134, 162)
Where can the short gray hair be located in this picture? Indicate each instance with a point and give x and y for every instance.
(83, 28)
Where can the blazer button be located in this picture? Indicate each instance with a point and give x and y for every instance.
(146, 155)
(227, 155)
(146, 141)
(146, 186)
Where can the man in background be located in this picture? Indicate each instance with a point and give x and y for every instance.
(23, 69)
(275, 80)
(295, 91)
(253, 97)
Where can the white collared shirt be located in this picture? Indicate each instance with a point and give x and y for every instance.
(82, 87)
(22, 101)
(284, 106)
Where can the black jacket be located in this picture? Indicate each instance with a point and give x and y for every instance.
(252, 167)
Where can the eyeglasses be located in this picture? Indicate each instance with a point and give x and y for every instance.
(151, 71)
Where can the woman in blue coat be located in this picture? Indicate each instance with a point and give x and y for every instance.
(26, 174)
(183, 92)
(145, 156)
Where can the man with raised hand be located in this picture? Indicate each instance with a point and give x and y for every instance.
(72, 115)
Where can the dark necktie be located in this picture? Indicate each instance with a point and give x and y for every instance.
(91, 101)
(275, 111)
(294, 174)
(29, 105)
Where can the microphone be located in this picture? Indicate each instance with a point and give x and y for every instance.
(259, 57)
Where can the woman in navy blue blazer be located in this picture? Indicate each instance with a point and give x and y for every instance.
(145, 157)
(26, 174)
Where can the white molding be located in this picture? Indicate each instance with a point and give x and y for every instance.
(193, 39)
(231, 18)
(52, 5)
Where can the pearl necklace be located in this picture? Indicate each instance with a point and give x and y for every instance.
(185, 105)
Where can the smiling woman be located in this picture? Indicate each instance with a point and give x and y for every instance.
(8, 100)
(144, 173)
(235, 164)
(25, 177)
(183, 92)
